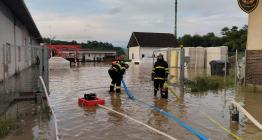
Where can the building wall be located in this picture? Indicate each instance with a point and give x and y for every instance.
(254, 47)
(254, 41)
(6, 25)
(134, 53)
(92, 57)
(196, 57)
(215, 53)
(15, 44)
(147, 52)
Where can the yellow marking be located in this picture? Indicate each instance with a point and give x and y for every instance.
(221, 126)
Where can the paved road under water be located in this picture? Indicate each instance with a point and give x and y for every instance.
(75, 122)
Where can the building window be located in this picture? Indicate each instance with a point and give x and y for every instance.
(133, 56)
(143, 55)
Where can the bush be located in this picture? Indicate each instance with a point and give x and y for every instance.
(200, 84)
(6, 126)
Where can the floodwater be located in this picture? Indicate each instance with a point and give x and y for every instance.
(30, 124)
(78, 123)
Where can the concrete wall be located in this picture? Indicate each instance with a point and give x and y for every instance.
(196, 57)
(215, 53)
(15, 44)
(174, 58)
(254, 41)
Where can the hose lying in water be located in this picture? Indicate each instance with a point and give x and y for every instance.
(48, 103)
(249, 116)
(167, 114)
(172, 91)
(221, 126)
(149, 127)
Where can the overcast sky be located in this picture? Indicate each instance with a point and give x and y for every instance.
(114, 20)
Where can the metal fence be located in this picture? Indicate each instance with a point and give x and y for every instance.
(20, 67)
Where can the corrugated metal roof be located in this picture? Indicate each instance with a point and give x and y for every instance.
(20, 10)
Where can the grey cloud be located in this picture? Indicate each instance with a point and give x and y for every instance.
(114, 11)
(121, 17)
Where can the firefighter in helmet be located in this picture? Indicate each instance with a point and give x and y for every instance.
(116, 72)
(159, 75)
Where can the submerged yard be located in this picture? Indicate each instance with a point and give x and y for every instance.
(195, 109)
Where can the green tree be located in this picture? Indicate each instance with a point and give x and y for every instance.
(233, 37)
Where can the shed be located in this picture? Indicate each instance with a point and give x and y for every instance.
(142, 44)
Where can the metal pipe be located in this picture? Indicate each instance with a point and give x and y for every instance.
(226, 64)
(48, 103)
(175, 19)
(249, 116)
(236, 73)
(182, 65)
(139, 122)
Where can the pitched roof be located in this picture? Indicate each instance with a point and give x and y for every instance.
(20, 10)
(147, 39)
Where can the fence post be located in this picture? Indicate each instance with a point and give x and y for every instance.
(226, 57)
(245, 68)
(46, 67)
(236, 68)
(40, 54)
(182, 65)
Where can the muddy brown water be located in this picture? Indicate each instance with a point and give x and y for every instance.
(78, 123)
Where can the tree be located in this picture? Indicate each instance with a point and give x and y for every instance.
(233, 37)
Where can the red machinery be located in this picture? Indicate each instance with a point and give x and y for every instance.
(86, 103)
(64, 50)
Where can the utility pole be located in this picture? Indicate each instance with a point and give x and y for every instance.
(175, 31)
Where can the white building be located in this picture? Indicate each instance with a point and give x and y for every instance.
(142, 45)
(88, 55)
(18, 34)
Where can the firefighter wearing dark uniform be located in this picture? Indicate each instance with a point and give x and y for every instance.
(159, 75)
(116, 72)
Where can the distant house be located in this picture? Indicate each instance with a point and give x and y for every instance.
(72, 52)
(142, 44)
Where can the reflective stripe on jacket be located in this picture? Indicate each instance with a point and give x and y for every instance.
(160, 70)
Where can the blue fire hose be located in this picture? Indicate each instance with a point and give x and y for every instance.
(167, 114)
